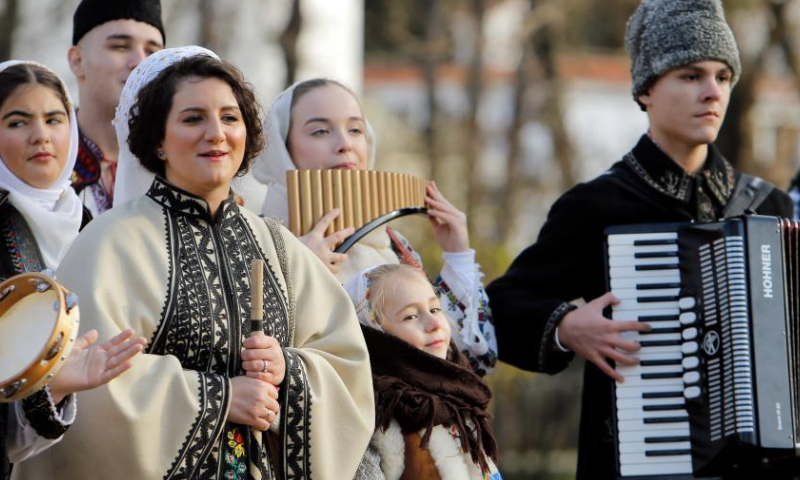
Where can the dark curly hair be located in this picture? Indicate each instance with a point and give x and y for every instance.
(148, 120)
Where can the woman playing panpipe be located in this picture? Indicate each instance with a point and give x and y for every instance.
(40, 216)
(173, 264)
(319, 124)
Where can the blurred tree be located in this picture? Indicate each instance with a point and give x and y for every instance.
(8, 25)
(288, 42)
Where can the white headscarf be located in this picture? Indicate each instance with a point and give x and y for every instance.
(53, 214)
(133, 180)
(358, 290)
(271, 166)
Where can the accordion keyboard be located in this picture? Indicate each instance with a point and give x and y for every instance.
(651, 416)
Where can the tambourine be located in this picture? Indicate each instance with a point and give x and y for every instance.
(38, 327)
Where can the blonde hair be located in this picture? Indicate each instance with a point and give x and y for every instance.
(379, 284)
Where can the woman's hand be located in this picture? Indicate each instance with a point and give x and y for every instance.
(323, 246)
(449, 223)
(589, 334)
(262, 358)
(253, 402)
(91, 366)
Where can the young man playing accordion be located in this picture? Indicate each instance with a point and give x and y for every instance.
(684, 64)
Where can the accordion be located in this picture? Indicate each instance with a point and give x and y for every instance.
(365, 199)
(715, 391)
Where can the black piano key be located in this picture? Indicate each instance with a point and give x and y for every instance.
(657, 363)
(657, 330)
(659, 408)
(665, 298)
(667, 453)
(678, 394)
(666, 420)
(657, 286)
(666, 439)
(656, 266)
(660, 343)
(658, 318)
(655, 254)
(650, 243)
(655, 375)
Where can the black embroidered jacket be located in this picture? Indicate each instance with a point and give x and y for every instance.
(566, 263)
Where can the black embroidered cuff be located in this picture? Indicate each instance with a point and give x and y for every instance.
(551, 359)
(44, 415)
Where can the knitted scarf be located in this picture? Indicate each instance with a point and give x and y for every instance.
(421, 391)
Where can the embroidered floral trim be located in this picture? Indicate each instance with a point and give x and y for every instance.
(235, 455)
(670, 184)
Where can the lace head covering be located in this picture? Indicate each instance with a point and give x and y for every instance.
(133, 180)
(54, 214)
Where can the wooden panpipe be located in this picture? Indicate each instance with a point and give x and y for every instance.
(365, 199)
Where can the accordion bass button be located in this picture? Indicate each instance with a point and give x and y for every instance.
(690, 363)
(691, 377)
(687, 318)
(689, 347)
(689, 333)
(691, 393)
(686, 303)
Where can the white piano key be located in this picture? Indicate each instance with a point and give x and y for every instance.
(630, 238)
(628, 459)
(643, 307)
(629, 371)
(641, 447)
(634, 315)
(637, 414)
(633, 282)
(631, 250)
(634, 336)
(677, 383)
(639, 436)
(630, 272)
(622, 293)
(656, 469)
(626, 391)
(636, 425)
(640, 403)
(632, 261)
(688, 318)
(673, 355)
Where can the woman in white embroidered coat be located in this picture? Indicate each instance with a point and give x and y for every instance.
(430, 407)
(319, 123)
(173, 265)
(40, 216)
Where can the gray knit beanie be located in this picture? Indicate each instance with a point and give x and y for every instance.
(666, 34)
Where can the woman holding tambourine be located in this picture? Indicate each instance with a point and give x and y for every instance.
(40, 216)
(319, 124)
